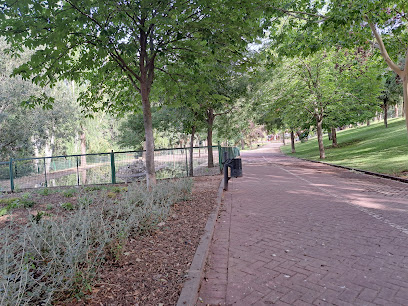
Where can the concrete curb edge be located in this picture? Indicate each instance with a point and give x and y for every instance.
(191, 287)
(390, 177)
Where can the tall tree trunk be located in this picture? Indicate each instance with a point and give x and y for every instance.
(36, 151)
(210, 122)
(49, 149)
(329, 133)
(403, 74)
(83, 147)
(146, 68)
(368, 122)
(199, 145)
(396, 110)
(334, 137)
(292, 141)
(82, 173)
(319, 123)
(405, 86)
(242, 144)
(191, 171)
(386, 113)
(148, 126)
(283, 138)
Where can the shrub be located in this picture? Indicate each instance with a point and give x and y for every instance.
(44, 191)
(8, 204)
(69, 193)
(93, 188)
(67, 206)
(38, 216)
(7, 201)
(51, 258)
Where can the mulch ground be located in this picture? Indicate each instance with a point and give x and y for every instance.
(153, 268)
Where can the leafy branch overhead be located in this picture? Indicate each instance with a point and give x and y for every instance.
(116, 48)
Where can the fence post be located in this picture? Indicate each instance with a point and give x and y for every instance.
(219, 156)
(45, 173)
(11, 175)
(77, 162)
(113, 169)
(185, 149)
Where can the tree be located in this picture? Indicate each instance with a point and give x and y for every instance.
(24, 132)
(354, 24)
(350, 24)
(118, 47)
(312, 88)
(208, 89)
(391, 94)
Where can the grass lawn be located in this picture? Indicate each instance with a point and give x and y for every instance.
(373, 148)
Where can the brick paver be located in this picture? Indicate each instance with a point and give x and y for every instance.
(299, 233)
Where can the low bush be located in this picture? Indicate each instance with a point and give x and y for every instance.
(55, 258)
(67, 206)
(44, 191)
(69, 193)
(8, 204)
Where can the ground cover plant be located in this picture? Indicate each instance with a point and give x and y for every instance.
(52, 251)
(373, 148)
(153, 268)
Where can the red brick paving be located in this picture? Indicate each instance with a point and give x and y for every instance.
(300, 233)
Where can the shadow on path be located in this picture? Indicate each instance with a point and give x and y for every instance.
(299, 233)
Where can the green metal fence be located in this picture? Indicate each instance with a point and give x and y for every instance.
(102, 168)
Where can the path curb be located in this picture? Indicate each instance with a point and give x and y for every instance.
(390, 177)
(189, 293)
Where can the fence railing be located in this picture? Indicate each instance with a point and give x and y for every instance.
(102, 168)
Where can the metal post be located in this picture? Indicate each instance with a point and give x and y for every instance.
(219, 156)
(224, 159)
(11, 175)
(186, 160)
(45, 173)
(113, 169)
(225, 177)
(77, 162)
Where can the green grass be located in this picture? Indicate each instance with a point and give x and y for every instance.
(373, 148)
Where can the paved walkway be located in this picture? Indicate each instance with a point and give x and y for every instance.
(300, 233)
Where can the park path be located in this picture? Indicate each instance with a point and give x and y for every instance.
(293, 232)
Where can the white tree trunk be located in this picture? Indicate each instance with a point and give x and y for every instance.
(83, 148)
(405, 85)
(319, 123)
(49, 149)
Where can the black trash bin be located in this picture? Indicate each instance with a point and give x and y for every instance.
(236, 167)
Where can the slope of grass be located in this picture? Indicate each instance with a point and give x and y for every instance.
(373, 148)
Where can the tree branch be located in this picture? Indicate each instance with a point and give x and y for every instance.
(406, 63)
(168, 73)
(384, 52)
(295, 13)
(84, 14)
(226, 112)
(118, 59)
